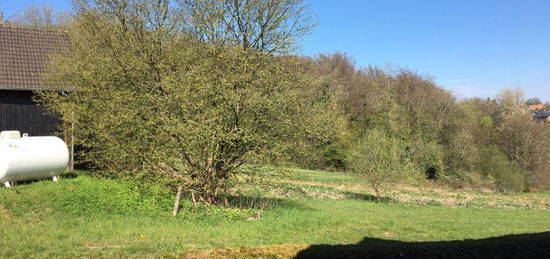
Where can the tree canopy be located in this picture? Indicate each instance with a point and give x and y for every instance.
(186, 91)
(149, 99)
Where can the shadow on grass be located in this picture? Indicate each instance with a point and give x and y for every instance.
(511, 246)
(262, 203)
(67, 175)
(368, 197)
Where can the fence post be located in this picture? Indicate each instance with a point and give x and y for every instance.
(177, 203)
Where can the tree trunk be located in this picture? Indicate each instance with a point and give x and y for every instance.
(177, 203)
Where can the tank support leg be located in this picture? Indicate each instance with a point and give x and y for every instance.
(7, 184)
(55, 178)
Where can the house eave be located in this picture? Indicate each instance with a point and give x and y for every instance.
(6, 88)
(9, 88)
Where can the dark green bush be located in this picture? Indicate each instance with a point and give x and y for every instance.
(508, 176)
(429, 158)
(335, 156)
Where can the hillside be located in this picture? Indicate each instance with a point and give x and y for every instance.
(281, 214)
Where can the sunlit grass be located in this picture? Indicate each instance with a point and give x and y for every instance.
(90, 217)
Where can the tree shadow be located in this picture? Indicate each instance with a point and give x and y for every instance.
(28, 182)
(261, 203)
(535, 245)
(368, 197)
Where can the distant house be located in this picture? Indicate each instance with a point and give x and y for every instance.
(23, 57)
(539, 113)
(536, 107)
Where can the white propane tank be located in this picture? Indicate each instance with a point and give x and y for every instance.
(27, 158)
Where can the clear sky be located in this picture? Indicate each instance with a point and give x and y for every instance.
(474, 48)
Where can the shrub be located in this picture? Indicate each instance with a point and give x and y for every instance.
(429, 157)
(380, 158)
(335, 155)
(152, 101)
(508, 176)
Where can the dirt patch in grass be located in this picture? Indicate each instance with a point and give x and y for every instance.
(272, 251)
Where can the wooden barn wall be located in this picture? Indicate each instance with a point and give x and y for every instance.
(19, 112)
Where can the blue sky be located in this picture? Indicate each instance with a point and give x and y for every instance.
(473, 48)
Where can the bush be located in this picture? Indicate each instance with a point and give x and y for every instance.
(380, 158)
(508, 176)
(334, 156)
(206, 112)
(429, 157)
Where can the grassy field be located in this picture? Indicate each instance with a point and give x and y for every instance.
(279, 213)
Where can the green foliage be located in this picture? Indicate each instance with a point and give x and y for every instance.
(521, 139)
(486, 122)
(39, 17)
(429, 157)
(534, 100)
(152, 100)
(442, 134)
(335, 155)
(274, 26)
(379, 158)
(507, 174)
(190, 106)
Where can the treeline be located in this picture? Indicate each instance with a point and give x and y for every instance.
(481, 143)
(185, 92)
(38, 17)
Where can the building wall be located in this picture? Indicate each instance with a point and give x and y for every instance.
(19, 112)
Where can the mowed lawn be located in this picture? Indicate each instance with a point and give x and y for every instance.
(283, 212)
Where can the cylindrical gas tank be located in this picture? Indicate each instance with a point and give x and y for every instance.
(28, 158)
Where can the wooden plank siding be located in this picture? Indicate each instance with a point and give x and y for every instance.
(19, 112)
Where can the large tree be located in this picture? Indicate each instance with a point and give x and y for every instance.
(273, 26)
(149, 99)
(534, 100)
(40, 17)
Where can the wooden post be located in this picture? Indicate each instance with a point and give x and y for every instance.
(177, 203)
(71, 166)
(67, 142)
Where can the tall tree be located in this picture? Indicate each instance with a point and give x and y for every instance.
(153, 101)
(534, 100)
(41, 17)
(273, 26)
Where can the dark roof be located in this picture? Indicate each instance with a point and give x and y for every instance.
(24, 54)
(541, 115)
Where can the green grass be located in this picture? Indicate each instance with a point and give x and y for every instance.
(90, 217)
